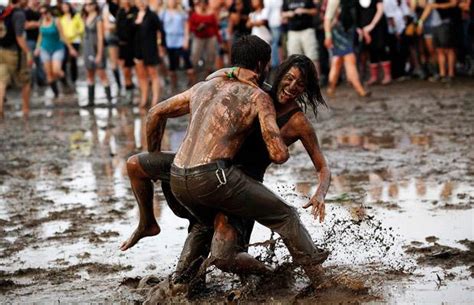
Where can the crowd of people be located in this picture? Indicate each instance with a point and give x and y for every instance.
(377, 41)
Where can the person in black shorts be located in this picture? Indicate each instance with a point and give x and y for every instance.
(146, 55)
(176, 32)
(126, 38)
(232, 234)
(372, 26)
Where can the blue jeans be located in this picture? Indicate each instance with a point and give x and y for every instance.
(276, 34)
(37, 74)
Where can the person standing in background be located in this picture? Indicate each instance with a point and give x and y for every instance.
(147, 35)
(205, 29)
(32, 32)
(51, 48)
(339, 27)
(239, 14)
(258, 21)
(301, 33)
(176, 28)
(443, 39)
(126, 38)
(111, 39)
(15, 56)
(73, 28)
(372, 26)
(274, 22)
(94, 51)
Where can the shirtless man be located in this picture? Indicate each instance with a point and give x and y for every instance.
(203, 178)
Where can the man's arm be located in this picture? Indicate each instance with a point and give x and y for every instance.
(276, 147)
(175, 106)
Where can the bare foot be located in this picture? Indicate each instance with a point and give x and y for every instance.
(138, 234)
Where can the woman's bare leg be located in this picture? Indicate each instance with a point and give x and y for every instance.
(152, 71)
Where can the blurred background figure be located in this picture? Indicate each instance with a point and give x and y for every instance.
(94, 51)
(32, 25)
(146, 52)
(73, 28)
(176, 28)
(111, 39)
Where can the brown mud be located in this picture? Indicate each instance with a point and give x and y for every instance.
(399, 211)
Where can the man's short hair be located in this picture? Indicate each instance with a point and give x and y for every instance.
(248, 51)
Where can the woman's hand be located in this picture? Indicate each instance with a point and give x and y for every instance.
(328, 43)
(72, 52)
(98, 59)
(37, 52)
(319, 208)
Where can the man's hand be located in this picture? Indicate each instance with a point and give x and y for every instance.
(319, 208)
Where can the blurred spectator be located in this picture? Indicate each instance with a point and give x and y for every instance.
(176, 30)
(205, 29)
(258, 21)
(94, 50)
(32, 32)
(126, 38)
(15, 57)
(443, 39)
(50, 47)
(239, 15)
(301, 33)
(274, 8)
(73, 28)
(372, 26)
(339, 26)
(146, 52)
(109, 16)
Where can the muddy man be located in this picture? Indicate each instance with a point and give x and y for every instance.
(204, 179)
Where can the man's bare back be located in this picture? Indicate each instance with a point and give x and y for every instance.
(222, 113)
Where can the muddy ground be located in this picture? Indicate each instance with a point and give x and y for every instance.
(399, 211)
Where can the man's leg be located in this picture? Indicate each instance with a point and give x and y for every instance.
(142, 187)
(143, 169)
(242, 196)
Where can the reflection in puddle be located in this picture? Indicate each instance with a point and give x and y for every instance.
(373, 141)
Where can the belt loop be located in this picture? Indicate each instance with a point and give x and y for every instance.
(223, 180)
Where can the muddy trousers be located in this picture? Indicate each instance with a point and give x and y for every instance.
(198, 242)
(206, 189)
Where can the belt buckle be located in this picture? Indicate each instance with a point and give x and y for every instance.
(223, 180)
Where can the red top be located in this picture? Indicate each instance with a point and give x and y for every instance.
(204, 26)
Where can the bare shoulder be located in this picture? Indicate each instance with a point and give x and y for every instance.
(300, 122)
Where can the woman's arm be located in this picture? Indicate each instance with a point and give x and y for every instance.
(100, 41)
(378, 15)
(68, 44)
(307, 135)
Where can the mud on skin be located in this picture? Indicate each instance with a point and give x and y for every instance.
(399, 206)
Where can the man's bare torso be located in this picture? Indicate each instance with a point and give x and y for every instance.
(222, 113)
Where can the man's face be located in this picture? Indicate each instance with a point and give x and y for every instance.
(291, 86)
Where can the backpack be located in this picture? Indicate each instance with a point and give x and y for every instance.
(347, 15)
(7, 35)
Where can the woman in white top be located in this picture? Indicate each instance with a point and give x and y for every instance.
(274, 22)
(258, 21)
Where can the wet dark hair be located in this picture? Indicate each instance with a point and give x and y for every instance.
(312, 94)
(71, 9)
(249, 52)
(96, 7)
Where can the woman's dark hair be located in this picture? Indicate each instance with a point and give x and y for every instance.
(96, 5)
(312, 93)
(250, 51)
(46, 8)
(71, 9)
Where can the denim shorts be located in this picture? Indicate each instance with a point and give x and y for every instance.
(57, 55)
